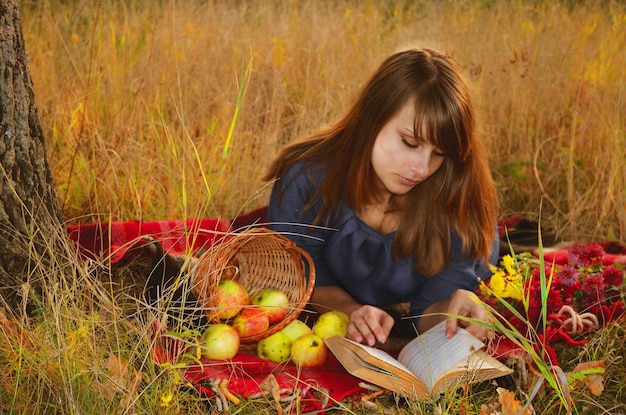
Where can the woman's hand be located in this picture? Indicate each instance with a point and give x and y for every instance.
(369, 324)
(466, 304)
(462, 303)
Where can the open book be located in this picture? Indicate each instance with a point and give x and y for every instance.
(427, 366)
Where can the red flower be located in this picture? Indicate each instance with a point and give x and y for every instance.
(554, 299)
(586, 255)
(593, 290)
(613, 276)
(568, 278)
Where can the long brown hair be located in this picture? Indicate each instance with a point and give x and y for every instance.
(460, 196)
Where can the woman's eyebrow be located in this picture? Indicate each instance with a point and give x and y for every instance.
(418, 137)
(409, 131)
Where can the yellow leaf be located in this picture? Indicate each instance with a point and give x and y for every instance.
(118, 376)
(117, 367)
(589, 374)
(510, 405)
(595, 384)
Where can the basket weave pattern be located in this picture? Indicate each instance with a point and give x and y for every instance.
(258, 258)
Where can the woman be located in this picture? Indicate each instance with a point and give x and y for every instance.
(395, 202)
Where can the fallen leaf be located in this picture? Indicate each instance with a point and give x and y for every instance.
(488, 410)
(270, 384)
(118, 376)
(117, 367)
(589, 374)
(595, 384)
(595, 366)
(510, 405)
(375, 394)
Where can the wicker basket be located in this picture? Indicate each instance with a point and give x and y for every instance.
(258, 258)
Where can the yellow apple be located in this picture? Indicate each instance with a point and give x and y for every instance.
(275, 348)
(250, 321)
(295, 329)
(309, 351)
(331, 323)
(219, 342)
(230, 298)
(274, 301)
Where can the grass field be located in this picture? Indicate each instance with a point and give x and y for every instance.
(173, 110)
(137, 101)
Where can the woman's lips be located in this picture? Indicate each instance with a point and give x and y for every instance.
(408, 182)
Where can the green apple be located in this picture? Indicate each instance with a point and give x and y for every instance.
(331, 323)
(295, 329)
(274, 301)
(230, 297)
(252, 320)
(275, 348)
(309, 351)
(219, 342)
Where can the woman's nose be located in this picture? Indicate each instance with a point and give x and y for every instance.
(420, 165)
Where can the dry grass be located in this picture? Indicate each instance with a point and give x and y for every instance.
(137, 101)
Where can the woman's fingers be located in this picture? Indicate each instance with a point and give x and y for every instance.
(369, 324)
(466, 304)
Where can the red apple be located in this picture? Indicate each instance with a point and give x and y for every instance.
(252, 320)
(219, 342)
(230, 298)
(309, 351)
(274, 301)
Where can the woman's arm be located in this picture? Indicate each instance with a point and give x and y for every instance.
(367, 323)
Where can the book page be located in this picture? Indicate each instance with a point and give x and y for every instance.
(430, 355)
(479, 367)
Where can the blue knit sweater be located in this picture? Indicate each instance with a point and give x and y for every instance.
(356, 257)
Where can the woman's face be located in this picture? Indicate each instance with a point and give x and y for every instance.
(403, 158)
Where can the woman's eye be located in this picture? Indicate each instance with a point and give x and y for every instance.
(415, 144)
(409, 144)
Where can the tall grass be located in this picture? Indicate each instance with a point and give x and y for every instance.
(132, 94)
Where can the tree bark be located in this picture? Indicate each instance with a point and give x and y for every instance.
(30, 215)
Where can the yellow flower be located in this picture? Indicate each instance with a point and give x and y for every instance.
(166, 399)
(509, 264)
(506, 285)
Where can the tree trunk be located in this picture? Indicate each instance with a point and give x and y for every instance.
(31, 223)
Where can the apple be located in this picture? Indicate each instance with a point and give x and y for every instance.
(295, 329)
(230, 298)
(275, 348)
(309, 351)
(219, 342)
(331, 323)
(250, 321)
(274, 301)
